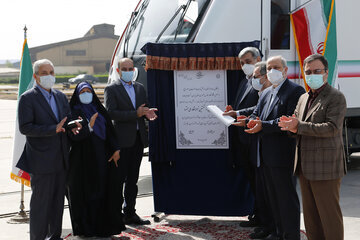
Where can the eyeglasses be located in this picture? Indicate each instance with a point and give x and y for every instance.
(316, 71)
(258, 76)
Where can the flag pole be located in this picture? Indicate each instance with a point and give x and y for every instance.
(21, 217)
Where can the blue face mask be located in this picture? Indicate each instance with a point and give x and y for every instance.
(127, 76)
(314, 81)
(255, 82)
(86, 97)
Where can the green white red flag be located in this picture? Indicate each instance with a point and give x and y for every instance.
(26, 81)
(314, 27)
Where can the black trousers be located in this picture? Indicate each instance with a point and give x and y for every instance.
(284, 201)
(47, 205)
(262, 202)
(130, 159)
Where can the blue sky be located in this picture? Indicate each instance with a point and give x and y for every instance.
(56, 20)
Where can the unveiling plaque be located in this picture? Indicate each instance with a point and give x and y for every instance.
(196, 127)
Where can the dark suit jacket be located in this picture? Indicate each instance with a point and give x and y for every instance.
(320, 135)
(277, 148)
(123, 113)
(45, 150)
(246, 97)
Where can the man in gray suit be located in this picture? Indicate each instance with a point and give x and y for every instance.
(319, 159)
(126, 103)
(42, 113)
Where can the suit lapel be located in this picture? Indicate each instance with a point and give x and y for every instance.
(266, 106)
(274, 102)
(58, 105)
(302, 107)
(316, 104)
(137, 95)
(239, 93)
(245, 93)
(42, 101)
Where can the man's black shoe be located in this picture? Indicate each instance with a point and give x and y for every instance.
(258, 229)
(251, 223)
(273, 237)
(259, 235)
(135, 219)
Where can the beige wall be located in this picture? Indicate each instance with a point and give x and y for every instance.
(73, 69)
(98, 53)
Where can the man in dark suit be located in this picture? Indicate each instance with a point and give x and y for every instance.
(246, 97)
(265, 220)
(126, 103)
(276, 149)
(42, 113)
(320, 158)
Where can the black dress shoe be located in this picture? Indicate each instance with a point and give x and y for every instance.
(258, 229)
(135, 219)
(273, 237)
(251, 223)
(259, 235)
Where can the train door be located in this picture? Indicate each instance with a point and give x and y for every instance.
(277, 34)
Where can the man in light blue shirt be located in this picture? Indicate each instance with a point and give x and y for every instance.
(126, 103)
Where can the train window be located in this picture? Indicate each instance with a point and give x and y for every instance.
(162, 16)
(280, 24)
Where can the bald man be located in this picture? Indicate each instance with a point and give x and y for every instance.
(127, 105)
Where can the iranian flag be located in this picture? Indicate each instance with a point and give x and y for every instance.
(314, 27)
(26, 82)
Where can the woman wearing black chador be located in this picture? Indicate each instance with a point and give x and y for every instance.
(94, 174)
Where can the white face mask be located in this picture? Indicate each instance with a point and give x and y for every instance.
(275, 76)
(256, 84)
(47, 81)
(248, 69)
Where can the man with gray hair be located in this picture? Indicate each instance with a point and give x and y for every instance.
(246, 97)
(248, 57)
(266, 224)
(259, 80)
(42, 115)
(276, 149)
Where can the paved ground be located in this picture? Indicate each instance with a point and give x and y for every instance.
(10, 190)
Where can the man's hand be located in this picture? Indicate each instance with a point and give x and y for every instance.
(115, 157)
(230, 113)
(240, 121)
(228, 108)
(151, 115)
(92, 119)
(59, 126)
(289, 123)
(142, 110)
(254, 126)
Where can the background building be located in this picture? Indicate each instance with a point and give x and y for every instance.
(91, 53)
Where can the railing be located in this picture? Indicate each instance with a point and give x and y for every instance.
(11, 92)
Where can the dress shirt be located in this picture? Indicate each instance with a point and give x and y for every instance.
(49, 96)
(130, 91)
